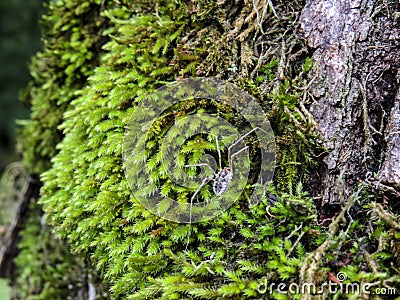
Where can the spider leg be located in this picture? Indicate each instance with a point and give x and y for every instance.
(202, 165)
(203, 183)
(236, 153)
(219, 152)
(238, 141)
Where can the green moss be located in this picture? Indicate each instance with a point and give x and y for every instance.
(86, 196)
(45, 268)
(232, 256)
(88, 199)
(72, 37)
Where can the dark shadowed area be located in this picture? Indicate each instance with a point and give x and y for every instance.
(19, 40)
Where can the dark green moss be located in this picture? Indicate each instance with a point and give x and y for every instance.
(87, 198)
(45, 268)
(72, 37)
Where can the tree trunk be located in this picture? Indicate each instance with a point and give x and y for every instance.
(9, 246)
(355, 92)
(353, 99)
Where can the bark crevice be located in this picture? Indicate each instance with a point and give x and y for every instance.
(354, 93)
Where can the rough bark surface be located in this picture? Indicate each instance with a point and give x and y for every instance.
(389, 174)
(9, 243)
(353, 92)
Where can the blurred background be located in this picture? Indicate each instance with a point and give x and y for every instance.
(19, 40)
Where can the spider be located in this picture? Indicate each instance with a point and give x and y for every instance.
(223, 177)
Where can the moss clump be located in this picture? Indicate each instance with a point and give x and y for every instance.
(45, 267)
(87, 198)
(72, 38)
(71, 30)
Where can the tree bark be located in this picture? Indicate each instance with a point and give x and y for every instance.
(9, 243)
(355, 93)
